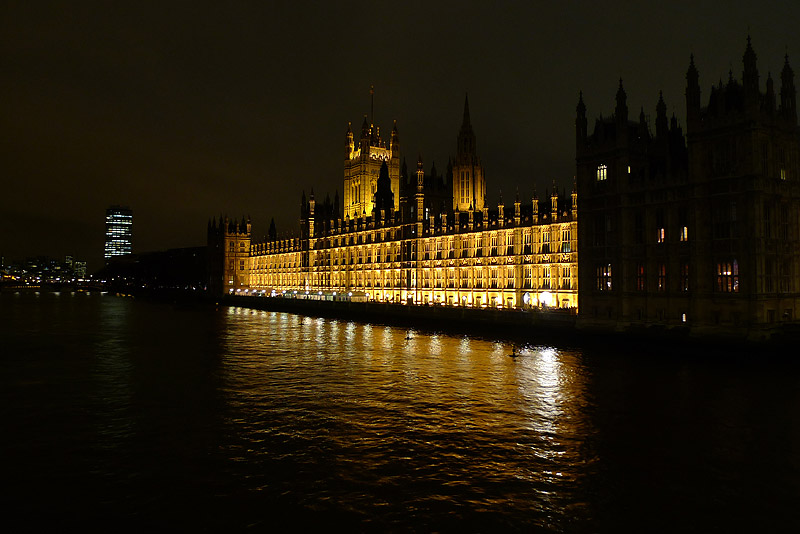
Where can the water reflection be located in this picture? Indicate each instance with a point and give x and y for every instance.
(408, 412)
(227, 419)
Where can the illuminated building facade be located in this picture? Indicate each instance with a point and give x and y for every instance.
(700, 232)
(119, 232)
(421, 238)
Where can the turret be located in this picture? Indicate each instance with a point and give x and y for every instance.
(517, 209)
(365, 137)
(661, 117)
(788, 94)
(580, 122)
(311, 208)
(469, 186)
(554, 204)
(349, 144)
(692, 91)
(394, 141)
(750, 78)
(642, 129)
(420, 196)
(501, 219)
(574, 198)
(769, 96)
(535, 201)
(621, 111)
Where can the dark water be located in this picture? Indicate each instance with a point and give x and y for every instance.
(126, 415)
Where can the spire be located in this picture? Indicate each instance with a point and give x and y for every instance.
(750, 76)
(769, 97)
(581, 107)
(642, 129)
(788, 94)
(692, 76)
(580, 121)
(692, 91)
(349, 146)
(622, 105)
(749, 57)
(466, 137)
(661, 116)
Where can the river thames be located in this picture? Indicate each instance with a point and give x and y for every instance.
(121, 414)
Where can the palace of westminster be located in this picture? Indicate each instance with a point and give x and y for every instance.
(697, 231)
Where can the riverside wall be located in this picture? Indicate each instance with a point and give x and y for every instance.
(556, 326)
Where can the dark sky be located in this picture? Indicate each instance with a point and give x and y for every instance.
(183, 110)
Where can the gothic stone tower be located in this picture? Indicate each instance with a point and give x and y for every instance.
(743, 166)
(362, 167)
(469, 185)
(697, 234)
(228, 254)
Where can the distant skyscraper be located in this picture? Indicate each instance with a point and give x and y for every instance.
(119, 224)
(80, 269)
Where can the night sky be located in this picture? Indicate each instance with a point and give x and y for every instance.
(184, 110)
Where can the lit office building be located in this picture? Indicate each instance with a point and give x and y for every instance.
(119, 223)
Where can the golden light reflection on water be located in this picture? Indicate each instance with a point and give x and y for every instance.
(392, 388)
(402, 428)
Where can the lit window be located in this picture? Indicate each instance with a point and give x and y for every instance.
(783, 174)
(604, 277)
(602, 172)
(728, 277)
(640, 277)
(685, 233)
(660, 236)
(629, 169)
